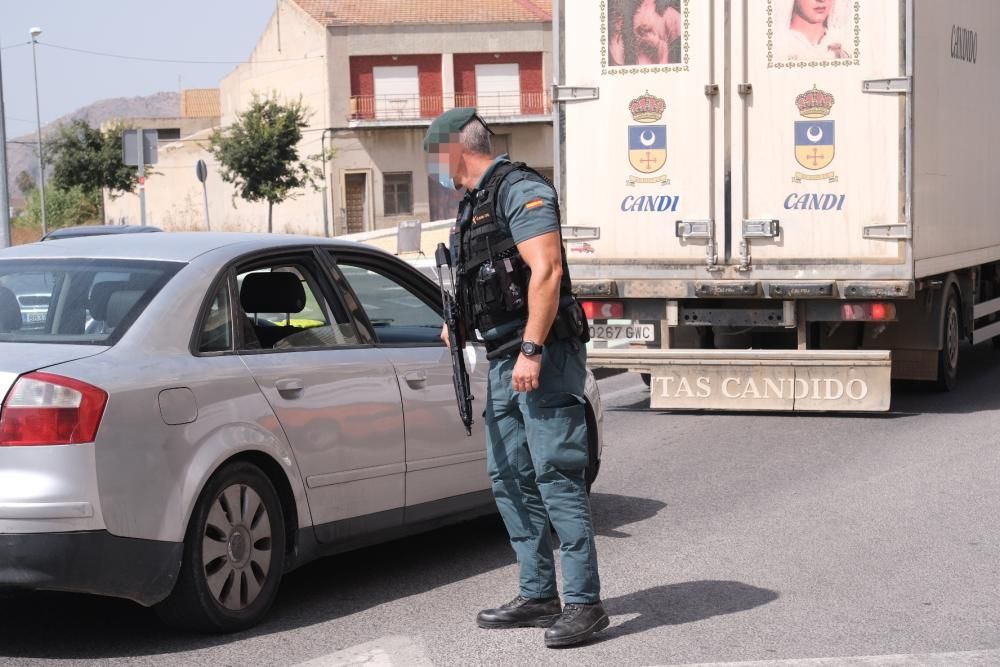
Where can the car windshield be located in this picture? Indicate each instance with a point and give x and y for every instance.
(75, 301)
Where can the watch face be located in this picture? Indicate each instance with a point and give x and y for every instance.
(529, 349)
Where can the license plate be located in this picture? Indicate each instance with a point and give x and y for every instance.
(633, 332)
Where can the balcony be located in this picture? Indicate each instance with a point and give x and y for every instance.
(419, 110)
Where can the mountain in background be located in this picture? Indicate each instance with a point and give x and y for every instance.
(21, 150)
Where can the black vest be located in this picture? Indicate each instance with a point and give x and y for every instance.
(491, 275)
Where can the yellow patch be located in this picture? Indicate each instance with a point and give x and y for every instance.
(538, 203)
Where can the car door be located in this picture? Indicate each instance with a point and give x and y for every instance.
(334, 394)
(445, 468)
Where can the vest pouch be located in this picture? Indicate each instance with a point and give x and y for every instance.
(571, 323)
(513, 279)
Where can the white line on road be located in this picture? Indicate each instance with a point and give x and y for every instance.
(962, 659)
(398, 651)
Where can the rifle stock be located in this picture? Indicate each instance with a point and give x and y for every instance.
(456, 339)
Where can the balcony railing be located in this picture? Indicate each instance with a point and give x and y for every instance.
(419, 107)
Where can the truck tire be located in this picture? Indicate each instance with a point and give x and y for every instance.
(234, 554)
(647, 379)
(951, 345)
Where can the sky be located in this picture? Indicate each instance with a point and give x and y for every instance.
(223, 32)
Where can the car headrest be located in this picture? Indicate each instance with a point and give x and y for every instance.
(272, 293)
(99, 296)
(10, 311)
(119, 305)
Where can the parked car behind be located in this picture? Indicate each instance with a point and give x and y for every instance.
(98, 230)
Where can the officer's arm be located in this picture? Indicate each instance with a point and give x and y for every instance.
(543, 254)
(531, 211)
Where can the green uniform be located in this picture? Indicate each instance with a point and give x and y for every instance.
(537, 441)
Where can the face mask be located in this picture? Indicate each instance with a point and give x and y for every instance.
(446, 181)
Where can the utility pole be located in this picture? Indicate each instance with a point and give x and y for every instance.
(35, 32)
(4, 192)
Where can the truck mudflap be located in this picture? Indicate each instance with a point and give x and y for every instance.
(749, 380)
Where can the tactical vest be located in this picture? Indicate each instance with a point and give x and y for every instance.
(491, 275)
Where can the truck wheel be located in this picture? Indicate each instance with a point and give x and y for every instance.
(234, 554)
(948, 356)
(647, 378)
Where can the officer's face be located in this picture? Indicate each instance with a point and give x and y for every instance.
(444, 160)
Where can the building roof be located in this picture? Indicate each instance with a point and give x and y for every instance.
(201, 103)
(434, 12)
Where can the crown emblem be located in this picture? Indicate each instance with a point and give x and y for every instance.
(647, 108)
(814, 103)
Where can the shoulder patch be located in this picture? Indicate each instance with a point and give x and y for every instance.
(534, 203)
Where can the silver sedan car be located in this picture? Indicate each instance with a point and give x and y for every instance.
(197, 414)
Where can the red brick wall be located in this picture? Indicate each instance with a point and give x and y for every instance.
(428, 70)
(532, 86)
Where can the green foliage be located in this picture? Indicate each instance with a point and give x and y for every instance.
(86, 157)
(259, 152)
(63, 207)
(25, 182)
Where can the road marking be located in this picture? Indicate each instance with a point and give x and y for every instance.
(961, 659)
(394, 651)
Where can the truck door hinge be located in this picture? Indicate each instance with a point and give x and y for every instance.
(701, 230)
(712, 89)
(745, 89)
(574, 93)
(756, 229)
(899, 85)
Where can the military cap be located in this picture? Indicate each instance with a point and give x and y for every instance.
(449, 123)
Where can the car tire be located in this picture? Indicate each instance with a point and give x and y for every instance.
(947, 379)
(234, 555)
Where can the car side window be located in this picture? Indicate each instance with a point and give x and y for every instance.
(282, 307)
(216, 334)
(396, 313)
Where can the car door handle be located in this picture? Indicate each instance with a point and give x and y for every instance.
(416, 379)
(289, 387)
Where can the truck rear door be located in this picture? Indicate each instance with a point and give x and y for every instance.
(641, 142)
(818, 160)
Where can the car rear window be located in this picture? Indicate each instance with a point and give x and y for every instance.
(76, 301)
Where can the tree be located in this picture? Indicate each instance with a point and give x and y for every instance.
(91, 159)
(259, 153)
(63, 207)
(25, 182)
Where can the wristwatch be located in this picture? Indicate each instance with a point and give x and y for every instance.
(530, 348)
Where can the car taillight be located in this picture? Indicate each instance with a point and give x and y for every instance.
(869, 312)
(47, 409)
(603, 310)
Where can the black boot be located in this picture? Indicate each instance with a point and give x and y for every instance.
(578, 623)
(521, 612)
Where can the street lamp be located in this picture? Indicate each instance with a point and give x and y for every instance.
(35, 32)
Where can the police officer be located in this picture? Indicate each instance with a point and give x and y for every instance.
(513, 287)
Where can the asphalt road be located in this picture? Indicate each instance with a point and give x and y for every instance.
(722, 538)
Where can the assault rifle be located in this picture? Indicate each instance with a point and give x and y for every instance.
(456, 338)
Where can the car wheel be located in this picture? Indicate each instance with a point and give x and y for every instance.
(234, 554)
(948, 356)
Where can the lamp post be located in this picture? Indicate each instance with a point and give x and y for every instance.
(35, 32)
(4, 194)
(326, 182)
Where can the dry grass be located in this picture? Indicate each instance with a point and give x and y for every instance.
(22, 234)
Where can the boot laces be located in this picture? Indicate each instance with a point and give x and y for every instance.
(572, 610)
(520, 600)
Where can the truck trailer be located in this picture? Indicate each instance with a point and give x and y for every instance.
(780, 204)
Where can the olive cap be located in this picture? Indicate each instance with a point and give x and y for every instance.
(446, 125)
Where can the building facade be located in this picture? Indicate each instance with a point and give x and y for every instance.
(373, 76)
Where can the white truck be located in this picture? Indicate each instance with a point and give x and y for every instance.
(787, 202)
